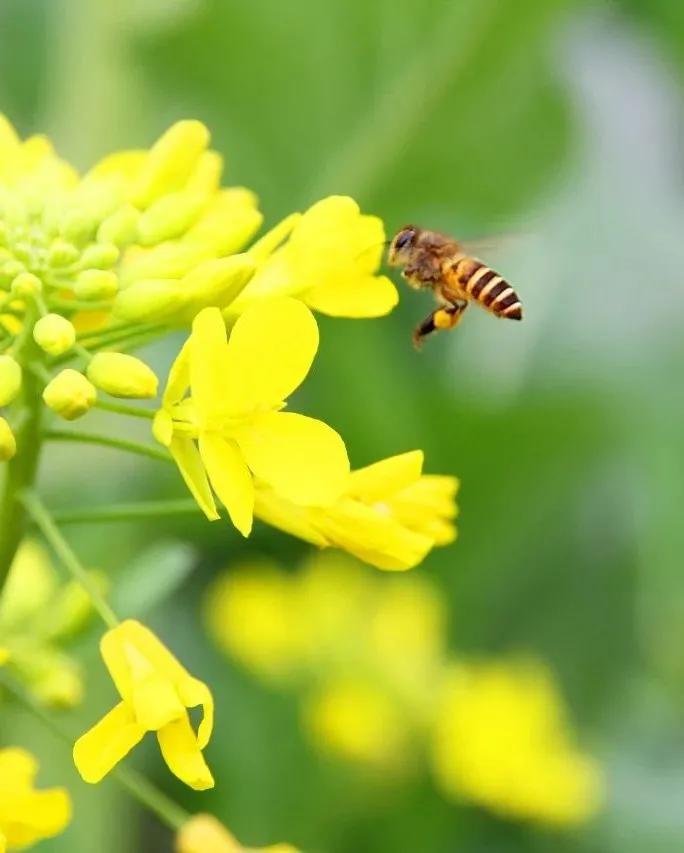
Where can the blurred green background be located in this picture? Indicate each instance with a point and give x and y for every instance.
(559, 121)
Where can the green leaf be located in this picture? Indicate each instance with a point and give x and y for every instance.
(155, 576)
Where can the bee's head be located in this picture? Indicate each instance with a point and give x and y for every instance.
(402, 246)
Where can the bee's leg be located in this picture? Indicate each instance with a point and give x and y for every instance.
(444, 317)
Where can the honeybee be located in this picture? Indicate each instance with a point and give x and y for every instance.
(433, 260)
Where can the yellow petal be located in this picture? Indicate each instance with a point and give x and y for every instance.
(131, 653)
(189, 462)
(293, 519)
(373, 535)
(17, 769)
(183, 756)
(267, 244)
(229, 477)
(370, 296)
(32, 816)
(155, 702)
(209, 367)
(378, 481)
(203, 833)
(270, 351)
(102, 748)
(178, 381)
(194, 692)
(301, 458)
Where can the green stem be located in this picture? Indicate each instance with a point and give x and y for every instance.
(20, 472)
(107, 441)
(127, 511)
(123, 409)
(169, 812)
(51, 532)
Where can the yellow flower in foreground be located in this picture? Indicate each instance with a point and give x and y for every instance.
(501, 740)
(391, 515)
(28, 815)
(203, 833)
(231, 431)
(330, 262)
(156, 692)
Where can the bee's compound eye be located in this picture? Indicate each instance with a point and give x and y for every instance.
(404, 238)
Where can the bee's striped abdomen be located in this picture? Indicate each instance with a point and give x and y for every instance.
(488, 288)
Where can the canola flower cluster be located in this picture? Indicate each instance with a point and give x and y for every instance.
(94, 266)
(369, 659)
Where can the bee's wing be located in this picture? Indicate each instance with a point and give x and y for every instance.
(477, 246)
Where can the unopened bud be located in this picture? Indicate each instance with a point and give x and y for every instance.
(96, 284)
(153, 299)
(121, 227)
(217, 282)
(122, 375)
(170, 161)
(10, 379)
(8, 444)
(70, 394)
(62, 253)
(26, 284)
(11, 269)
(100, 256)
(78, 226)
(54, 334)
(170, 216)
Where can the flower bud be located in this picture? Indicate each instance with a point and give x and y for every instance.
(26, 284)
(121, 227)
(100, 256)
(62, 253)
(70, 394)
(54, 334)
(8, 444)
(122, 375)
(96, 284)
(10, 379)
(152, 299)
(170, 216)
(170, 161)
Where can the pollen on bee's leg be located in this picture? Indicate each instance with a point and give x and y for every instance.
(443, 319)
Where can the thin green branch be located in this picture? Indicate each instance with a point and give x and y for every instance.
(124, 409)
(53, 535)
(133, 511)
(169, 812)
(127, 446)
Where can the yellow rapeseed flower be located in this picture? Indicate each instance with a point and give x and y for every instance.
(156, 692)
(501, 740)
(391, 514)
(203, 833)
(28, 815)
(328, 257)
(231, 431)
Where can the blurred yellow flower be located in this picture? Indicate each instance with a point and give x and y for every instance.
(38, 615)
(358, 720)
(203, 833)
(329, 260)
(237, 389)
(251, 613)
(391, 515)
(501, 740)
(156, 692)
(28, 815)
(366, 649)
